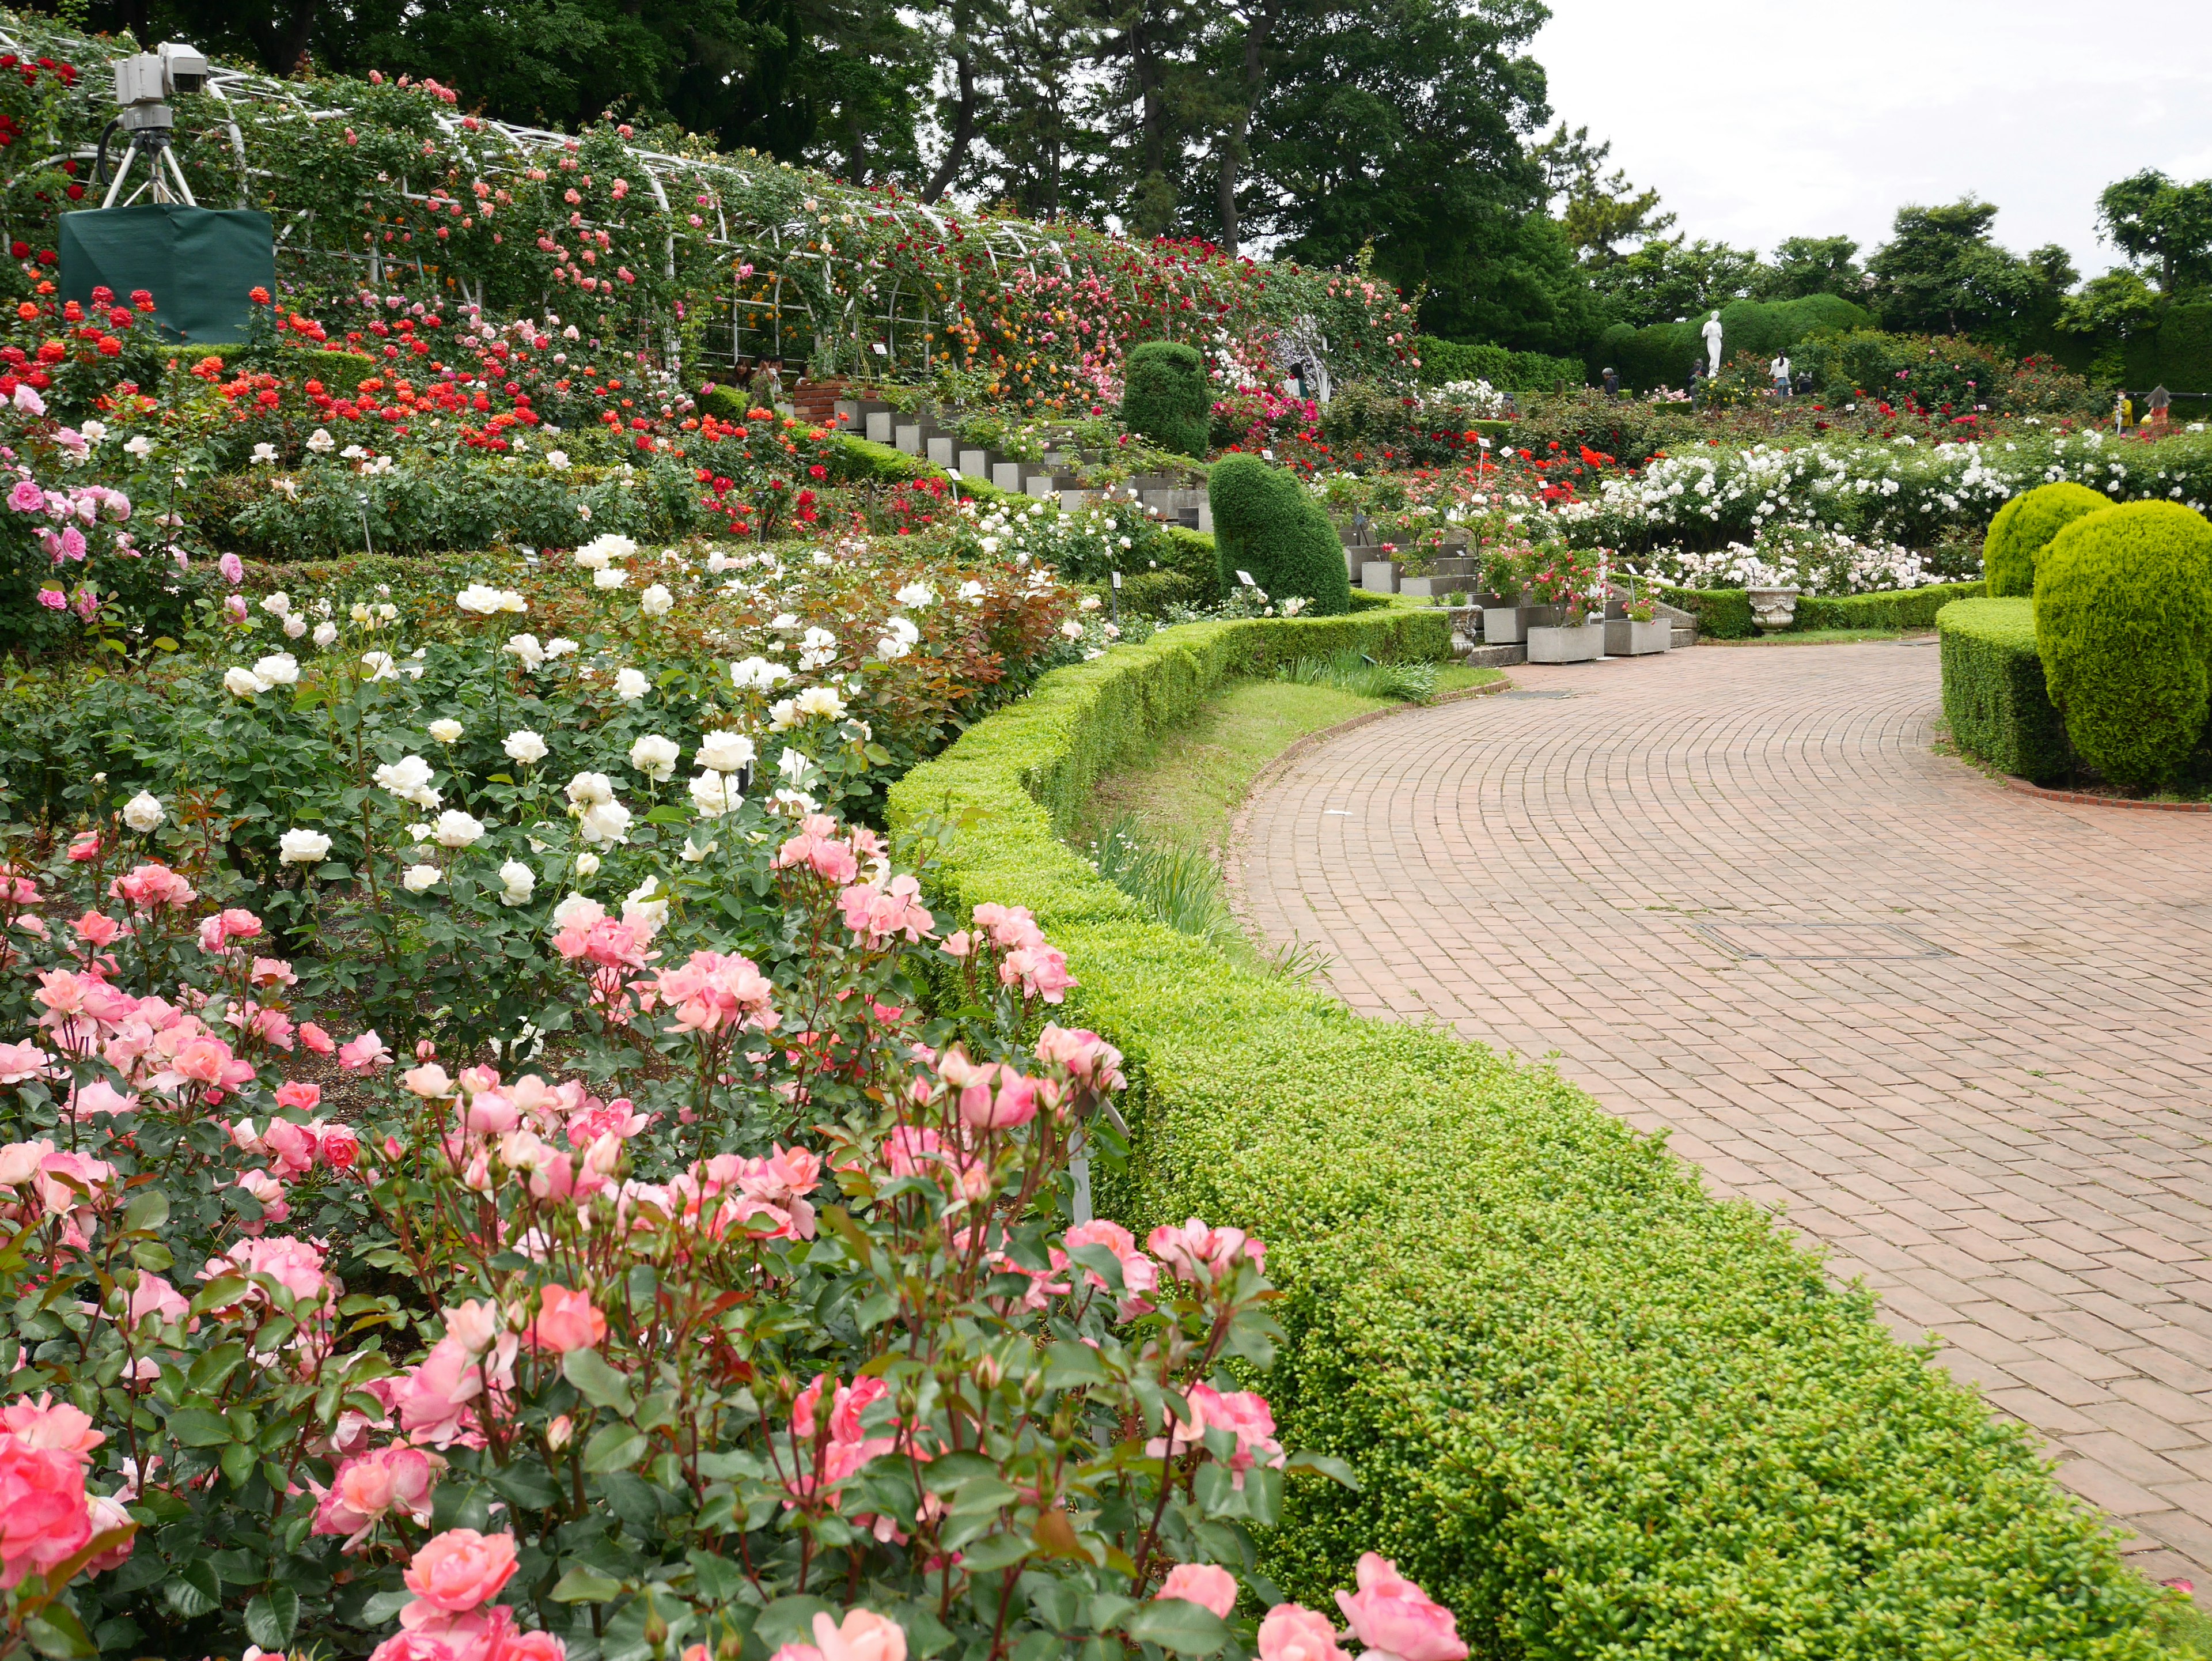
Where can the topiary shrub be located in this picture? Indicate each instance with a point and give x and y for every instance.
(2123, 626)
(1264, 522)
(2023, 527)
(1165, 396)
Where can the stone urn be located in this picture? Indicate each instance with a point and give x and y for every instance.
(1773, 609)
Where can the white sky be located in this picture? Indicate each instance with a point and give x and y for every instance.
(1757, 120)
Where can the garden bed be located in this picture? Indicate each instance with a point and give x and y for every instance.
(1593, 1409)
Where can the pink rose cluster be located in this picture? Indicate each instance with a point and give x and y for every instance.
(880, 911)
(711, 992)
(1025, 959)
(46, 1515)
(818, 848)
(1390, 1617)
(43, 1183)
(455, 1576)
(1243, 1413)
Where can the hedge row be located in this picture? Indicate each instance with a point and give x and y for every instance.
(1725, 613)
(1444, 360)
(1661, 354)
(1994, 695)
(1599, 1413)
(1722, 613)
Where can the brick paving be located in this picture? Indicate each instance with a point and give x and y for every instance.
(1962, 1035)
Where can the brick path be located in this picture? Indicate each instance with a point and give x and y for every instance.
(1962, 1035)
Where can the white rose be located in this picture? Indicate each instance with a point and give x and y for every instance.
(279, 669)
(557, 460)
(141, 446)
(295, 627)
(325, 633)
(416, 878)
(591, 557)
(587, 865)
(714, 794)
(321, 442)
(379, 665)
(458, 830)
(403, 778)
(478, 598)
(631, 685)
(525, 647)
(297, 847)
(792, 766)
(604, 821)
(243, 683)
(781, 715)
(278, 605)
(757, 674)
(524, 745)
(656, 601)
(645, 915)
(446, 730)
(726, 752)
(588, 789)
(820, 700)
(612, 577)
(517, 882)
(655, 756)
(558, 648)
(693, 853)
(918, 595)
(144, 812)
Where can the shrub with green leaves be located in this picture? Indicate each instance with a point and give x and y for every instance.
(2023, 528)
(2124, 625)
(1598, 1413)
(1266, 522)
(1165, 397)
(1993, 695)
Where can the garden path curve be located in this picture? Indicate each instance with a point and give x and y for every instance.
(1962, 1034)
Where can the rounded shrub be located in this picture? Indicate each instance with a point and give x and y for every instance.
(2023, 527)
(1264, 522)
(1165, 396)
(2123, 626)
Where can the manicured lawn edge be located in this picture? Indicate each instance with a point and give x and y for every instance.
(1993, 695)
(1596, 1412)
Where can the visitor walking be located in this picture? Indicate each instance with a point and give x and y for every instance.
(1780, 370)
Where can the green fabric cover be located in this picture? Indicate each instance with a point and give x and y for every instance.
(199, 264)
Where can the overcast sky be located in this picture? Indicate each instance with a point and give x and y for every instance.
(1757, 120)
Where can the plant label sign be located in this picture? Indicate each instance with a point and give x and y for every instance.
(1245, 577)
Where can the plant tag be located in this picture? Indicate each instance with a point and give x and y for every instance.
(1117, 579)
(1245, 577)
(1484, 442)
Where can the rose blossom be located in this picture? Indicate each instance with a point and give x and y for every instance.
(1290, 1633)
(1206, 1584)
(456, 1571)
(1394, 1618)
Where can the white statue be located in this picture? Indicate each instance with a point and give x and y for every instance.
(1712, 334)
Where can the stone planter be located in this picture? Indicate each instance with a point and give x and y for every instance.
(1626, 638)
(1773, 609)
(1379, 576)
(1504, 625)
(1559, 644)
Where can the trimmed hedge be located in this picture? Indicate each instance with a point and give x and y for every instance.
(1722, 613)
(2023, 529)
(1894, 608)
(1509, 371)
(860, 460)
(1660, 355)
(1994, 696)
(1597, 1413)
(1266, 523)
(2123, 626)
(1165, 395)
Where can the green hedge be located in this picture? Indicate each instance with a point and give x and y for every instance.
(2022, 528)
(859, 460)
(1993, 692)
(1899, 608)
(1165, 397)
(1722, 613)
(1267, 525)
(1660, 355)
(1597, 1413)
(1443, 361)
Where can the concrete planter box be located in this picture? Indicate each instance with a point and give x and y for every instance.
(973, 464)
(940, 452)
(1626, 638)
(848, 414)
(1559, 644)
(1379, 576)
(1007, 477)
(1504, 625)
(879, 427)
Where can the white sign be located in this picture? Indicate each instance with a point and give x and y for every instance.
(1245, 577)
(1117, 579)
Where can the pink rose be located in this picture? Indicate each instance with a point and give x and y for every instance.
(1206, 1584)
(52, 1426)
(43, 1516)
(1390, 1615)
(341, 1146)
(298, 1092)
(232, 569)
(460, 1569)
(26, 497)
(863, 1636)
(566, 1321)
(1292, 1634)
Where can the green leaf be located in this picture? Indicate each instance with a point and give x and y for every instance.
(197, 1429)
(56, 1631)
(148, 1209)
(1326, 1464)
(582, 1585)
(385, 1605)
(1178, 1624)
(613, 1447)
(598, 1384)
(192, 1591)
(998, 1551)
(271, 1616)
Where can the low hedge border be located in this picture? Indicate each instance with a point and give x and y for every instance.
(1725, 613)
(1598, 1413)
(1722, 613)
(1994, 696)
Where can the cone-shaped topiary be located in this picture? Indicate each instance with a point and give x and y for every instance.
(1165, 396)
(1264, 522)
(2023, 527)
(2123, 626)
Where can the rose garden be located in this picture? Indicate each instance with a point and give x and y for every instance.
(588, 1072)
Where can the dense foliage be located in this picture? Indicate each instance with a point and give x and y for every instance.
(2023, 527)
(1995, 698)
(1271, 534)
(1165, 397)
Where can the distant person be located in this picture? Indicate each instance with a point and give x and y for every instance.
(2158, 404)
(1780, 370)
(2124, 412)
(1804, 383)
(1612, 383)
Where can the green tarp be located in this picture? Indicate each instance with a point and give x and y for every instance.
(199, 264)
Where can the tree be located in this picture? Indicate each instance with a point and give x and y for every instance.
(1670, 278)
(1940, 273)
(2155, 221)
(1805, 265)
(1598, 212)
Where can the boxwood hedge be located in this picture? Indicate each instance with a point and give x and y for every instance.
(2023, 529)
(1993, 692)
(1598, 1413)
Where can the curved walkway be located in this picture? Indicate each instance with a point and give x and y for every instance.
(1964, 1036)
